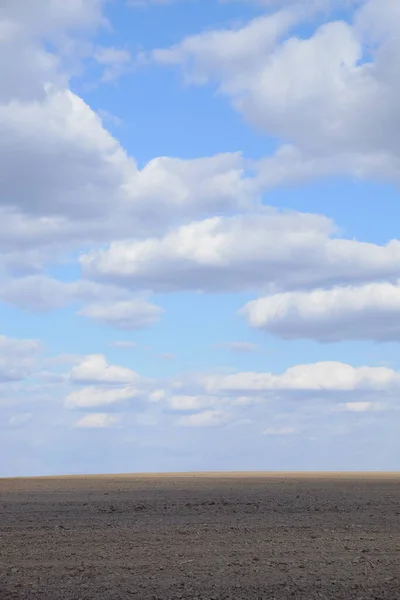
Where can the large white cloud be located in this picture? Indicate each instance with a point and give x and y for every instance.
(367, 312)
(346, 95)
(264, 249)
(317, 377)
(80, 187)
(66, 181)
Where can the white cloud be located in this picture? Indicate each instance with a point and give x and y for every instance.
(347, 100)
(317, 377)
(293, 166)
(17, 358)
(191, 403)
(94, 369)
(105, 303)
(360, 407)
(157, 396)
(79, 186)
(179, 188)
(368, 312)
(207, 418)
(226, 53)
(126, 315)
(92, 396)
(311, 6)
(104, 384)
(97, 420)
(265, 249)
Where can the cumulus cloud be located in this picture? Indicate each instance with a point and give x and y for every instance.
(348, 388)
(265, 249)
(17, 358)
(317, 377)
(97, 421)
(79, 186)
(347, 96)
(94, 369)
(104, 384)
(311, 6)
(367, 312)
(78, 205)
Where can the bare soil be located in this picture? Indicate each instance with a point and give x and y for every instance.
(236, 536)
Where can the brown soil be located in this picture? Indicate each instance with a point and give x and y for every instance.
(237, 536)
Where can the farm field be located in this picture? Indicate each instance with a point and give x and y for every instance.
(204, 536)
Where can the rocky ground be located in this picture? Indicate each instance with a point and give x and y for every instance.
(210, 537)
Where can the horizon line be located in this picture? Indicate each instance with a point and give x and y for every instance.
(211, 474)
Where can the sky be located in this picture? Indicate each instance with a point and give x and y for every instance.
(199, 223)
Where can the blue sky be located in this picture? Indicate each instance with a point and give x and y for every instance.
(199, 250)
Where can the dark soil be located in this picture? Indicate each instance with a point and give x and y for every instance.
(211, 537)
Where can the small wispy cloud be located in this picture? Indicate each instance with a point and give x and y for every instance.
(276, 431)
(166, 356)
(116, 62)
(97, 421)
(238, 346)
(207, 418)
(124, 344)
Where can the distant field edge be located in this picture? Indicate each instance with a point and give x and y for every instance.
(225, 474)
